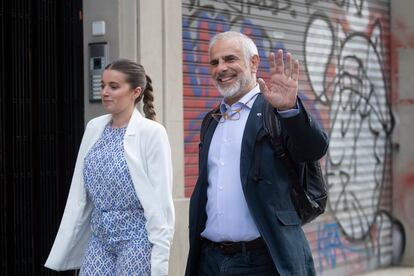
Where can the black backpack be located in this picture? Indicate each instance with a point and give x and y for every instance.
(309, 194)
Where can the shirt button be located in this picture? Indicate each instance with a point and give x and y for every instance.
(221, 188)
(222, 163)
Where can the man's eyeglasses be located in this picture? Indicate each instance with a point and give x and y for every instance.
(232, 115)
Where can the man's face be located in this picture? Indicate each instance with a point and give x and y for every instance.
(231, 75)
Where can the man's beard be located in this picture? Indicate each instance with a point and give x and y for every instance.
(236, 88)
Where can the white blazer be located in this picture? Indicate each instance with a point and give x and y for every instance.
(148, 156)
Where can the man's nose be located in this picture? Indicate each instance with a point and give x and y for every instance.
(221, 66)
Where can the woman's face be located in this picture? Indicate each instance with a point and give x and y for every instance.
(117, 95)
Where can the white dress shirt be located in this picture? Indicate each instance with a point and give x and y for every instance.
(228, 216)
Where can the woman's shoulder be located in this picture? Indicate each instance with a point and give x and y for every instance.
(150, 131)
(150, 125)
(98, 120)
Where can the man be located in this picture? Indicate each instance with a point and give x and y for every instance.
(241, 224)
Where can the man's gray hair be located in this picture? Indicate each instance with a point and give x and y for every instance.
(249, 48)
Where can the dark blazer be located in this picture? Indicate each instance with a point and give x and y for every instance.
(268, 197)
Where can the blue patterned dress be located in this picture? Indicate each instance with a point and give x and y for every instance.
(119, 243)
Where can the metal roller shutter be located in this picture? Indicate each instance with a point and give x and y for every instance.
(343, 47)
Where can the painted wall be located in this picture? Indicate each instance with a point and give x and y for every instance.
(344, 50)
(402, 44)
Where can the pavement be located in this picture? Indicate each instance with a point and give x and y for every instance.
(391, 271)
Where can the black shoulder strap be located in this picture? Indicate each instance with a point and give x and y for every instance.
(206, 122)
(272, 126)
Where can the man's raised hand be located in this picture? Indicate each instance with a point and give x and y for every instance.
(283, 82)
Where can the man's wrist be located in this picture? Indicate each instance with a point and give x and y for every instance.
(289, 112)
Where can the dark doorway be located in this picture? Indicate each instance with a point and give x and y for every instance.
(41, 125)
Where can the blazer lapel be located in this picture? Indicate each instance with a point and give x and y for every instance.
(94, 133)
(199, 197)
(253, 125)
(205, 146)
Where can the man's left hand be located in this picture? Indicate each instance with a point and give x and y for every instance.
(283, 84)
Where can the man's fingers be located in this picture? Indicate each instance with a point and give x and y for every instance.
(288, 68)
(279, 62)
(263, 87)
(295, 72)
(272, 64)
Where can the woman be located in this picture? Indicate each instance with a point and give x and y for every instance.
(119, 216)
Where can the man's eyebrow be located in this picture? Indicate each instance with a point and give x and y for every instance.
(230, 57)
(226, 58)
(214, 61)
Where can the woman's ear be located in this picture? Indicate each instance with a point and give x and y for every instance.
(137, 92)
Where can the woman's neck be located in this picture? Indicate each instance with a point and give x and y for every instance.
(121, 120)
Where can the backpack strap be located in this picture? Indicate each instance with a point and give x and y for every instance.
(206, 122)
(272, 126)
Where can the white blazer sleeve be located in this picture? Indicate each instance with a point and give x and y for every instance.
(159, 169)
(74, 231)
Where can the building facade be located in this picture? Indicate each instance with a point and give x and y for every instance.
(356, 59)
(349, 82)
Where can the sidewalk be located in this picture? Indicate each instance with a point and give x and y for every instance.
(391, 271)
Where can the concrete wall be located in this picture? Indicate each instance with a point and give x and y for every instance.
(402, 43)
(106, 11)
(150, 33)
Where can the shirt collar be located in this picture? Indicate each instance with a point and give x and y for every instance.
(247, 100)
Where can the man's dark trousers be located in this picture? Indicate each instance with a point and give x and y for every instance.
(253, 262)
